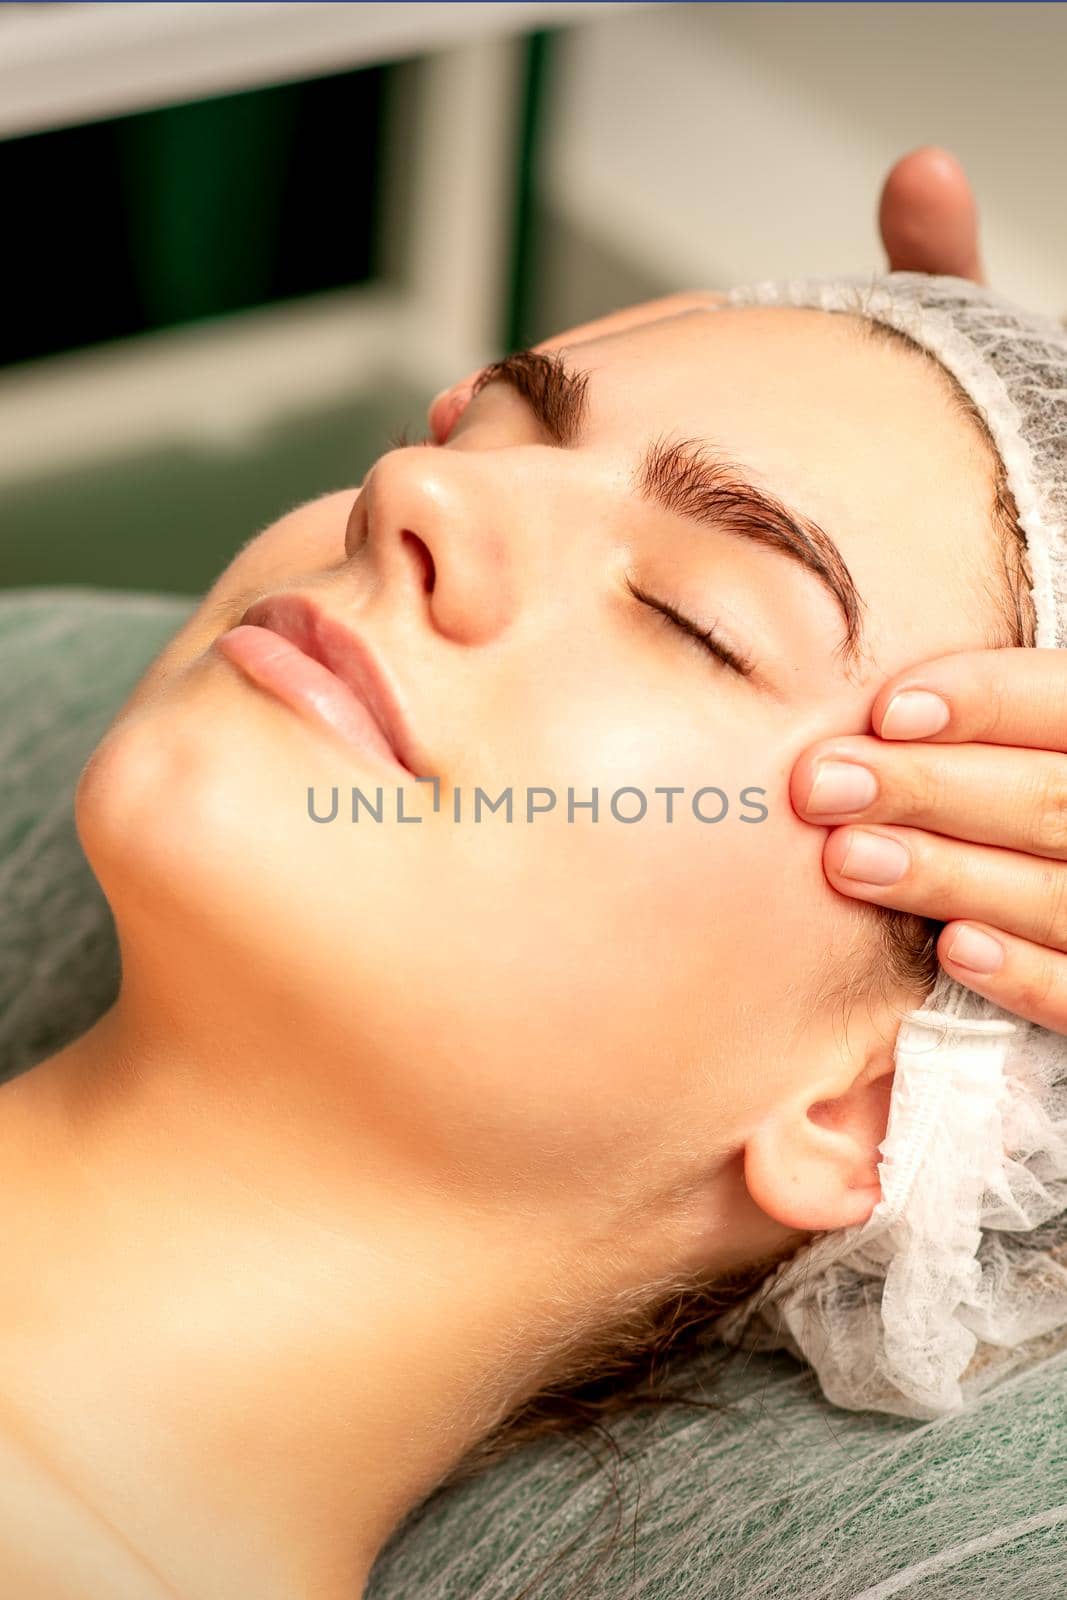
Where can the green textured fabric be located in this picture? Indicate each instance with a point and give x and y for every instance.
(68, 659)
(777, 1495)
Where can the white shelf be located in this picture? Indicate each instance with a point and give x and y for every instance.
(65, 64)
(225, 379)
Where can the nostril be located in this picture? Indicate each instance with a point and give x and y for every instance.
(422, 556)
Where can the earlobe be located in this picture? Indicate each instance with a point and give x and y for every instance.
(812, 1163)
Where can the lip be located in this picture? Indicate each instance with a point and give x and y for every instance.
(327, 670)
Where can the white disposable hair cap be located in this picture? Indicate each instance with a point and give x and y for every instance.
(959, 1275)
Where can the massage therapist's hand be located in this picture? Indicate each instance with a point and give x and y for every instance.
(975, 809)
(967, 817)
(928, 221)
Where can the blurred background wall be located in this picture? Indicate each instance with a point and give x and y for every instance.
(246, 243)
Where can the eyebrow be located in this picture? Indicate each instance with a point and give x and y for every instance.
(688, 478)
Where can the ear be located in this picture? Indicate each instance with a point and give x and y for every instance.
(812, 1163)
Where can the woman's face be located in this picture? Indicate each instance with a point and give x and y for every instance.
(557, 1005)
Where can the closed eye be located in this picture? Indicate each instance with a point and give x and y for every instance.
(400, 440)
(706, 637)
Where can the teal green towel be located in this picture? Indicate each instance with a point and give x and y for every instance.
(778, 1496)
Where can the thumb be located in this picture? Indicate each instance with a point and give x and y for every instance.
(928, 216)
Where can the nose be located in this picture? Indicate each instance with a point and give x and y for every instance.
(438, 527)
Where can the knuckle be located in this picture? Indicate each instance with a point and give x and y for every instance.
(940, 872)
(1052, 900)
(950, 873)
(925, 789)
(1047, 812)
(994, 707)
(1035, 987)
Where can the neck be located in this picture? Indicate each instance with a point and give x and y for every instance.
(247, 1338)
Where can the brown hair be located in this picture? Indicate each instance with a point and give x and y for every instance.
(618, 1369)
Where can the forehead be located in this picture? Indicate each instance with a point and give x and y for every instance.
(862, 436)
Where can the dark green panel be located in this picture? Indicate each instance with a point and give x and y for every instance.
(521, 309)
(191, 211)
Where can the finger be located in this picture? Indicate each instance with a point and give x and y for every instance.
(447, 407)
(928, 216)
(944, 879)
(987, 794)
(670, 305)
(1024, 978)
(1011, 696)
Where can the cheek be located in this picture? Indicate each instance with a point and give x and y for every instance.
(524, 999)
(575, 984)
(640, 936)
(695, 907)
(309, 540)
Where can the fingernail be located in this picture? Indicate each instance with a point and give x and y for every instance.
(841, 786)
(872, 858)
(972, 948)
(913, 714)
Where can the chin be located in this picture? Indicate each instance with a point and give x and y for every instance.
(173, 810)
(191, 812)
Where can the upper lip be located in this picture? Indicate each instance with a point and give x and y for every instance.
(348, 656)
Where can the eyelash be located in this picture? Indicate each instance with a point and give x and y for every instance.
(706, 637)
(400, 441)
